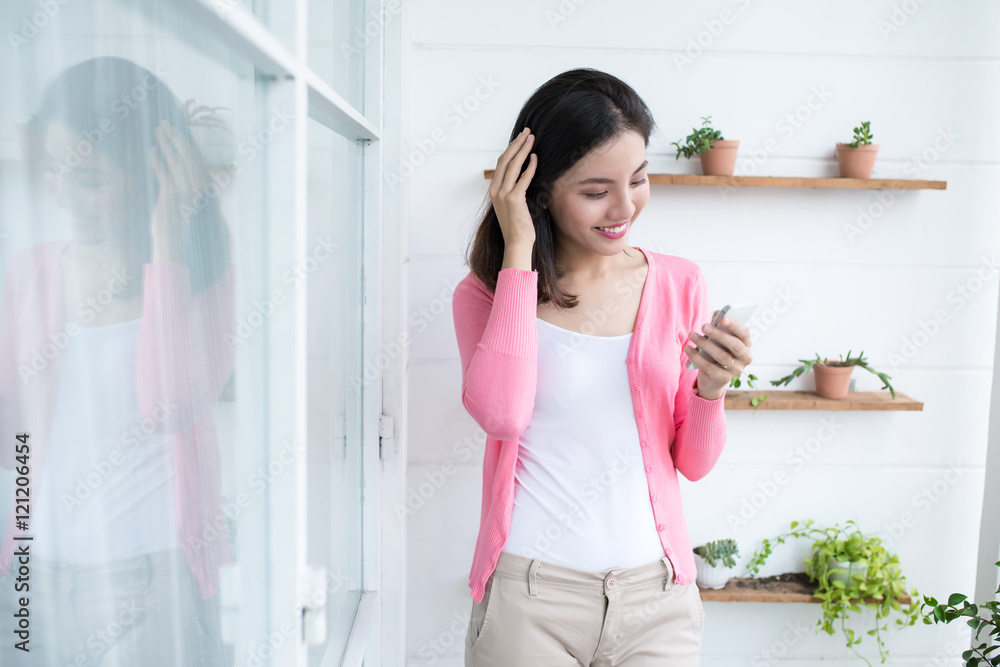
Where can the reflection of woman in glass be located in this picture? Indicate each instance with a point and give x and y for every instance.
(112, 354)
(573, 346)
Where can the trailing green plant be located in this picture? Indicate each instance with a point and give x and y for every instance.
(873, 579)
(859, 361)
(700, 140)
(862, 135)
(984, 619)
(718, 551)
(751, 381)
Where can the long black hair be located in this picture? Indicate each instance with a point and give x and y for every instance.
(570, 115)
(115, 105)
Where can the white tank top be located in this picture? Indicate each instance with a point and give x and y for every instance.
(107, 487)
(581, 498)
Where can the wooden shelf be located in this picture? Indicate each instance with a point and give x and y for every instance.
(789, 182)
(795, 588)
(807, 400)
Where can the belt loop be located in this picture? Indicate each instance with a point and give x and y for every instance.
(670, 573)
(532, 584)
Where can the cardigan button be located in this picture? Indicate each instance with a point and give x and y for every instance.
(635, 388)
(655, 500)
(629, 360)
(649, 468)
(660, 527)
(645, 443)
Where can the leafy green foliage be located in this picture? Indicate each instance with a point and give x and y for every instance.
(719, 551)
(984, 619)
(862, 135)
(873, 579)
(751, 381)
(700, 140)
(860, 361)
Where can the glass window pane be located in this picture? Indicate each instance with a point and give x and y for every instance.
(134, 172)
(340, 32)
(335, 377)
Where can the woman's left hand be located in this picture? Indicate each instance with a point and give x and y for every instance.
(181, 174)
(731, 352)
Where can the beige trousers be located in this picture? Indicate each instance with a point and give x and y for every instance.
(539, 613)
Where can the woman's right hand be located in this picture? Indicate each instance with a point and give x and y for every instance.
(507, 191)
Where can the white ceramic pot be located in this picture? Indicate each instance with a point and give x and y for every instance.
(841, 570)
(712, 577)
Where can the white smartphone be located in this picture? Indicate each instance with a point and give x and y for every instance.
(741, 315)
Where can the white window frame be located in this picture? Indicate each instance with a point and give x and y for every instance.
(238, 33)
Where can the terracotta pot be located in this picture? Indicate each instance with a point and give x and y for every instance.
(856, 162)
(721, 160)
(832, 381)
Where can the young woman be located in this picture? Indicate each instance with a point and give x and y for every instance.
(573, 348)
(112, 354)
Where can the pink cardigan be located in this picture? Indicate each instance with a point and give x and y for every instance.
(183, 360)
(678, 430)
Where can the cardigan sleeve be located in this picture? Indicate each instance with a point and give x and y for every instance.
(699, 424)
(184, 358)
(498, 345)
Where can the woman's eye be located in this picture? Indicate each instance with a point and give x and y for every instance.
(639, 182)
(594, 195)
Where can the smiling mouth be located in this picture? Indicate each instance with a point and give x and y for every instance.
(614, 230)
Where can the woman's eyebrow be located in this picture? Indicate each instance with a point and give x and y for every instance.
(589, 181)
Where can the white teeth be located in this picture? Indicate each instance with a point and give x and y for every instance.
(613, 230)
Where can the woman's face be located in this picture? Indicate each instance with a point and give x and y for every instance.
(606, 189)
(85, 182)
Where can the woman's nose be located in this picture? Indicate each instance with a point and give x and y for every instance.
(622, 207)
(58, 189)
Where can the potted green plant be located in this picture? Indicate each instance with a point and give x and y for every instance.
(857, 158)
(852, 572)
(718, 155)
(715, 563)
(833, 378)
(751, 381)
(984, 619)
